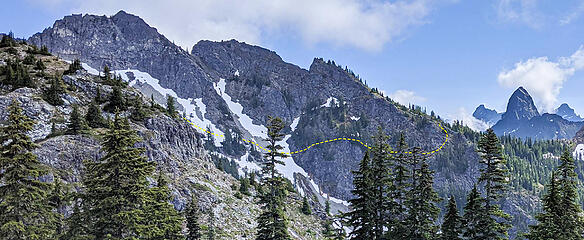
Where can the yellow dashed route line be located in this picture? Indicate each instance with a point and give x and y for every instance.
(327, 141)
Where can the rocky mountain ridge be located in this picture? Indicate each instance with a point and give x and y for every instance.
(489, 116)
(173, 144)
(568, 113)
(522, 119)
(230, 88)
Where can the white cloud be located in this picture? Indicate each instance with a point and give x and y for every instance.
(406, 97)
(573, 15)
(365, 25)
(542, 77)
(467, 119)
(519, 11)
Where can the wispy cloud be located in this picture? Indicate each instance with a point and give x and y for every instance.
(542, 77)
(573, 15)
(467, 119)
(365, 25)
(406, 97)
(519, 11)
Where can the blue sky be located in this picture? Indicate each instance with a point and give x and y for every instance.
(447, 55)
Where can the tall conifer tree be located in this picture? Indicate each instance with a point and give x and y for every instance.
(25, 212)
(422, 200)
(165, 222)
(474, 218)
(549, 220)
(192, 217)
(360, 217)
(494, 176)
(399, 190)
(115, 187)
(272, 222)
(571, 222)
(452, 222)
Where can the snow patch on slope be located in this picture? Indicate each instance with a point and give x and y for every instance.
(579, 152)
(294, 123)
(89, 69)
(329, 101)
(245, 165)
(237, 109)
(355, 118)
(290, 167)
(189, 105)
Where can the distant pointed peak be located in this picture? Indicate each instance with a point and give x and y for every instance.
(123, 13)
(521, 91)
(564, 106)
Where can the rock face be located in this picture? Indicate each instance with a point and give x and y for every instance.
(257, 79)
(522, 119)
(174, 145)
(233, 87)
(566, 112)
(486, 115)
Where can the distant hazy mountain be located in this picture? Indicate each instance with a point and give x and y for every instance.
(566, 112)
(487, 115)
(522, 119)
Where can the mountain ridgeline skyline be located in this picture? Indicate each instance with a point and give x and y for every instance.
(230, 89)
(522, 119)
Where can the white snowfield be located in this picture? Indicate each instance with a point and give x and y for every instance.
(237, 109)
(579, 152)
(329, 101)
(195, 110)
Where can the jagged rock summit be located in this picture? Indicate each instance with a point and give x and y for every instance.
(522, 119)
(568, 113)
(486, 115)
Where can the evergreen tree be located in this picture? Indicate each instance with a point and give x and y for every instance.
(29, 59)
(165, 222)
(107, 74)
(116, 101)
(422, 200)
(399, 191)
(272, 222)
(76, 124)
(474, 217)
(77, 225)
(549, 220)
(328, 231)
(494, 175)
(359, 218)
(98, 98)
(40, 65)
(53, 94)
(210, 140)
(25, 212)
(45, 50)
(211, 230)
(73, 67)
(93, 116)
(7, 41)
(571, 222)
(59, 199)
(116, 190)
(17, 75)
(381, 165)
(452, 223)
(306, 206)
(327, 207)
(170, 108)
(138, 112)
(192, 217)
(244, 186)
